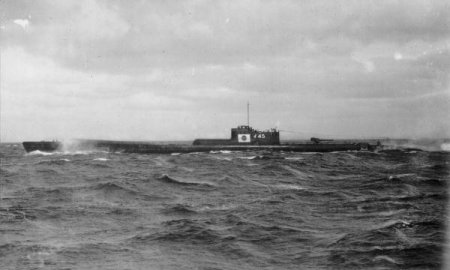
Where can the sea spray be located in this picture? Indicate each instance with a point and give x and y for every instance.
(445, 147)
(421, 144)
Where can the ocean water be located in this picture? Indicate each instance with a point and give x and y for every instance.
(223, 210)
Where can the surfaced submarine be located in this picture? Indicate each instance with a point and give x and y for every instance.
(243, 138)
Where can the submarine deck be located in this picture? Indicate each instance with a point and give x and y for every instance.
(131, 147)
(155, 148)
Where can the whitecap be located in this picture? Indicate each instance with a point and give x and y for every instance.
(222, 207)
(392, 222)
(101, 159)
(79, 152)
(220, 152)
(224, 158)
(294, 158)
(298, 173)
(401, 176)
(289, 186)
(250, 157)
(385, 258)
(168, 179)
(37, 152)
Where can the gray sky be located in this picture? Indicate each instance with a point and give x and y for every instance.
(170, 70)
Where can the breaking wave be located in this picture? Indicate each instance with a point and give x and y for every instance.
(170, 180)
(101, 159)
(418, 145)
(41, 153)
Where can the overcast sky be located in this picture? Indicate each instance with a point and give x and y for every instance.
(174, 70)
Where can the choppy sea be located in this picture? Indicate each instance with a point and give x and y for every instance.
(224, 210)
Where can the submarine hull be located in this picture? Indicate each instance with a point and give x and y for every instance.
(44, 146)
(168, 149)
(152, 148)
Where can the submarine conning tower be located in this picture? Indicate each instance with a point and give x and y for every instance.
(245, 135)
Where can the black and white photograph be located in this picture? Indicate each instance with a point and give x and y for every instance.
(223, 135)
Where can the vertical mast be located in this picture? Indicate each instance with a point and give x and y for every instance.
(248, 113)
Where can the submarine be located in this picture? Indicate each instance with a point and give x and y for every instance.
(243, 138)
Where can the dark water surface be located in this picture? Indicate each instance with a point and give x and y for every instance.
(238, 210)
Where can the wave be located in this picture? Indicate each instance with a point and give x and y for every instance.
(294, 158)
(435, 182)
(220, 152)
(417, 145)
(299, 174)
(81, 152)
(229, 180)
(249, 157)
(389, 213)
(399, 177)
(112, 193)
(181, 230)
(113, 189)
(77, 249)
(170, 180)
(41, 153)
(385, 258)
(289, 187)
(61, 161)
(99, 164)
(223, 207)
(414, 179)
(438, 167)
(263, 157)
(197, 233)
(269, 157)
(393, 223)
(69, 153)
(101, 159)
(432, 225)
(54, 195)
(397, 237)
(182, 209)
(225, 158)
